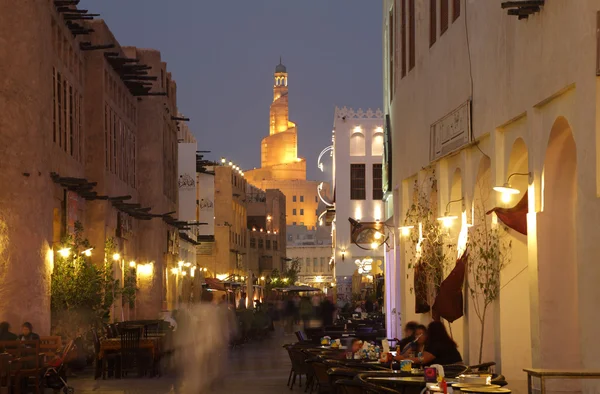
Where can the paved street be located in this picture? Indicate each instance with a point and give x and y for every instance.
(254, 368)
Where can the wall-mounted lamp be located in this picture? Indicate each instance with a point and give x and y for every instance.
(145, 269)
(132, 264)
(448, 219)
(405, 230)
(343, 254)
(116, 257)
(507, 190)
(88, 252)
(64, 252)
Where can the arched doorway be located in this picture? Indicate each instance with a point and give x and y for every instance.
(557, 259)
(514, 303)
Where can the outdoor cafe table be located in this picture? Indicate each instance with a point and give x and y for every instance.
(544, 374)
(404, 382)
(114, 345)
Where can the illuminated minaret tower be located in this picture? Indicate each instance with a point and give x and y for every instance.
(281, 168)
(280, 149)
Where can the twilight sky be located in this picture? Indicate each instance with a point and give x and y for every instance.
(222, 54)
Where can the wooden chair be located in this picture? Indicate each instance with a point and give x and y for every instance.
(130, 350)
(102, 365)
(27, 366)
(5, 378)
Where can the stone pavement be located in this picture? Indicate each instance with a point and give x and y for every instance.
(261, 367)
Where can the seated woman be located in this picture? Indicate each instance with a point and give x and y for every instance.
(413, 348)
(438, 348)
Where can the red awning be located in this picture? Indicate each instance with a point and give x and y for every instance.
(515, 217)
(449, 301)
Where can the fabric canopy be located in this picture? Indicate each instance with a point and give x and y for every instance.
(215, 284)
(293, 289)
(515, 217)
(449, 301)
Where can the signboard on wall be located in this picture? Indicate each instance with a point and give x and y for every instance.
(187, 181)
(451, 133)
(206, 203)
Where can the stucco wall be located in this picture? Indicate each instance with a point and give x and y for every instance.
(526, 76)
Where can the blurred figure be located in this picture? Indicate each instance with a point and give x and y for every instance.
(327, 311)
(369, 306)
(5, 334)
(27, 333)
(290, 315)
(306, 311)
(409, 334)
(202, 344)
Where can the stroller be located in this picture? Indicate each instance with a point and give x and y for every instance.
(55, 376)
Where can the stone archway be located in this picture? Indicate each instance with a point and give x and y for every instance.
(514, 303)
(559, 345)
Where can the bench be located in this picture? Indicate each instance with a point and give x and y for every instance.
(50, 345)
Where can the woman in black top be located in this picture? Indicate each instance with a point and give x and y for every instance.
(439, 347)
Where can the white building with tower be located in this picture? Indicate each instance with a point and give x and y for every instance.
(359, 236)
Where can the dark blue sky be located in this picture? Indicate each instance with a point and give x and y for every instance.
(222, 54)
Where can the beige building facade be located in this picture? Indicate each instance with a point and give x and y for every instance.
(76, 148)
(281, 168)
(246, 237)
(477, 96)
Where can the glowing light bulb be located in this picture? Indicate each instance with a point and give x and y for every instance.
(88, 252)
(132, 264)
(377, 235)
(405, 230)
(374, 245)
(116, 257)
(64, 252)
(506, 197)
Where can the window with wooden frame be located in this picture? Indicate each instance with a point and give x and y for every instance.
(377, 182)
(455, 9)
(443, 16)
(432, 22)
(391, 52)
(411, 34)
(357, 182)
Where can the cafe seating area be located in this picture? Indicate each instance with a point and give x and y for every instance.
(133, 348)
(322, 362)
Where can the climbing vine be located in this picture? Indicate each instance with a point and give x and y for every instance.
(431, 251)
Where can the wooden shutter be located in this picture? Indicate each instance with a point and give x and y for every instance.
(403, 36)
(411, 34)
(432, 22)
(455, 10)
(443, 16)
